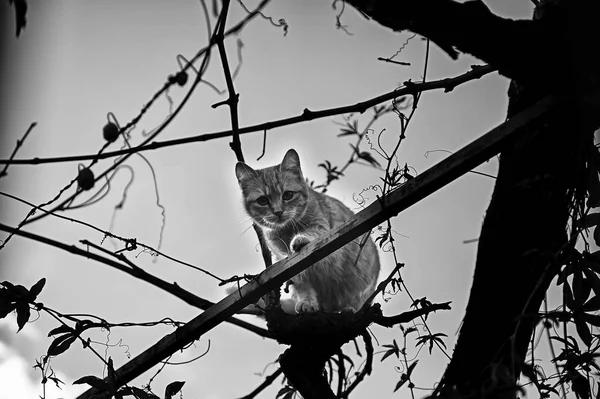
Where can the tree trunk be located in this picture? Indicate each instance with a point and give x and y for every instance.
(540, 175)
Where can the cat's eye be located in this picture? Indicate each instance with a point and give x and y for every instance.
(262, 201)
(287, 195)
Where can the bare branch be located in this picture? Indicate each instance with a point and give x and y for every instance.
(410, 315)
(135, 271)
(19, 144)
(268, 381)
(447, 84)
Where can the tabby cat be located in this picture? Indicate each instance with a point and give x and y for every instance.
(291, 214)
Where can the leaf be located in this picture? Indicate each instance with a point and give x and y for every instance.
(93, 381)
(394, 350)
(369, 158)
(593, 319)
(593, 279)
(56, 380)
(60, 329)
(592, 305)
(589, 220)
(6, 309)
(411, 368)
(568, 295)
(173, 388)
(403, 380)
(23, 314)
(285, 391)
(35, 289)
(580, 291)
(583, 331)
(61, 344)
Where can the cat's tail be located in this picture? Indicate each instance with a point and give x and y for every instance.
(288, 305)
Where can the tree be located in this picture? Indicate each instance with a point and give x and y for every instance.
(533, 191)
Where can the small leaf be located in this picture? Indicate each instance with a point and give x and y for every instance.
(56, 380)
(61, 344)
(411, 368)
(173, 388)
(283, 391)
(388, 354)
(60, 330)
(35, 289)
(23, 314)
(403, 380)
(369, 158)
(93, 381)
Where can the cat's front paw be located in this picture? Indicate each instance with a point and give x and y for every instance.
(306, 307)
(298, 242)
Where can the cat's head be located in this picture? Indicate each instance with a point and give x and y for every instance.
(275, 196)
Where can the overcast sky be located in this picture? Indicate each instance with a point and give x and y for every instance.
(77, 61)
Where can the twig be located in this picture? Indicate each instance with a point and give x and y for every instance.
(393, 62)
(410, 88)
(137, 272)
(232, 101)
(268, 381)
(19, 144)
(406, 317)
(131, 244)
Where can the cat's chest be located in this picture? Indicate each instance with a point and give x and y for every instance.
(279, 241)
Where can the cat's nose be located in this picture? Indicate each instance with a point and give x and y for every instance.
(278, 212)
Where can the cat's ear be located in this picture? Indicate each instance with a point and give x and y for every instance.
(243, 171)
(291, 161)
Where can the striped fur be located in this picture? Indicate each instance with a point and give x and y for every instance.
(291, 214)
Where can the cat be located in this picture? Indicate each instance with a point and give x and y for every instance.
(291, 214)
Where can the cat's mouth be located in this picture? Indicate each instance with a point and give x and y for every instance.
(275, 222)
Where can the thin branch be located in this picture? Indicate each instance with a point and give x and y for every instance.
(406, 317)
(131, 244)
(268, 381)
(447, 84)
(137, 272)
(389, 206)
(19, 144)
(233, 99)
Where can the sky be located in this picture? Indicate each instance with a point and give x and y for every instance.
(78, 61)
